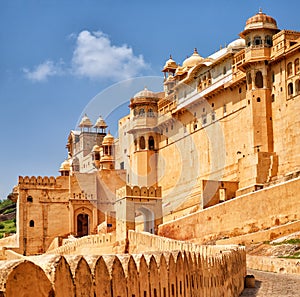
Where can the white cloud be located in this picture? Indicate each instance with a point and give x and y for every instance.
(95, 57)
(42, 71)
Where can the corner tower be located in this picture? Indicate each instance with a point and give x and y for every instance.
(143, 120)
(258, 35)
(261, 159)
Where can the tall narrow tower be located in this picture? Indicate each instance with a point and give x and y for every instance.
(258, 34)
(261, 160)
(143, 118)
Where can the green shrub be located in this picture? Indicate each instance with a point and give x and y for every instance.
(2, 226)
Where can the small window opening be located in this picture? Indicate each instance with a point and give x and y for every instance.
(31, 223)
(258, 99)
(29, 199)
(290, 89)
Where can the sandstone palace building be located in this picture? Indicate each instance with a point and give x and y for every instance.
(224, 132)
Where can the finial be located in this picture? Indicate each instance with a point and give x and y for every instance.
(171, 56)
(260, 10)
(195, 50)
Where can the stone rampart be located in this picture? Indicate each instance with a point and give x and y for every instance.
(155, 274)
(91, 243)
(278, 265)
(146, 242)
(266, 208)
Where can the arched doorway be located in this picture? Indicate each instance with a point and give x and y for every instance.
(148, 219)
(83, 224)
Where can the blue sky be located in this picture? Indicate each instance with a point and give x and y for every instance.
(55, 56)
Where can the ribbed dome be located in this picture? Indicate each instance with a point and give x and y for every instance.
(108, 139)
(261, 20)
(170, 64)
(193, 60)
(65, 166)
(238, 43)
(100, 123)
(85, 122)
(145, 94)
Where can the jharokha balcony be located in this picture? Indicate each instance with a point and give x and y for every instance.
(145, 122)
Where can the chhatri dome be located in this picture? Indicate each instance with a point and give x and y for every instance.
(145, 94)
(85, 122)
(65, 166)
(170, 64)
(108, 139)
(260, 21)
(100, 123)
(193, 60)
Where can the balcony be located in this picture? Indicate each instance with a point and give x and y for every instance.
(145, 123)
(257, 52)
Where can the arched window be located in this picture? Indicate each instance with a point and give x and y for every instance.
(150, 113)
(151, 143)
(142, 142)
(31, 223)
(135, 144)
(142, 112)
(289, 69)
(297, 86)
(268, 40)
(29, 199)
(290, 89)
(248, 41)
(297, 66)
(258, 99)
(273, 77)
(259, 79)
(257, 40)
(249, 78)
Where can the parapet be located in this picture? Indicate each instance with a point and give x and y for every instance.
(33, 180)
(112, 275)
(46, 181)
(136, 191)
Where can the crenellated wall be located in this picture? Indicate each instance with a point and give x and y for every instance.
(165, 274)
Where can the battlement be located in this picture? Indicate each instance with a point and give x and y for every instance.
(46, 181)
(33, 180)
(153, 274)
(136, 191)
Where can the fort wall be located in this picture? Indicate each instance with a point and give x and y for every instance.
(266, 208)
(157, 274)
(272, 264)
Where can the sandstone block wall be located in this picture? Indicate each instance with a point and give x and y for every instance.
(155, 274)
(273, 206)
(279, 265)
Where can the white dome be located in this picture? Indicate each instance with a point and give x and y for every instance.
(193, 60)
(238, 43)
(145, 94)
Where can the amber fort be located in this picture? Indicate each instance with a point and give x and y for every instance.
(209, 164)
